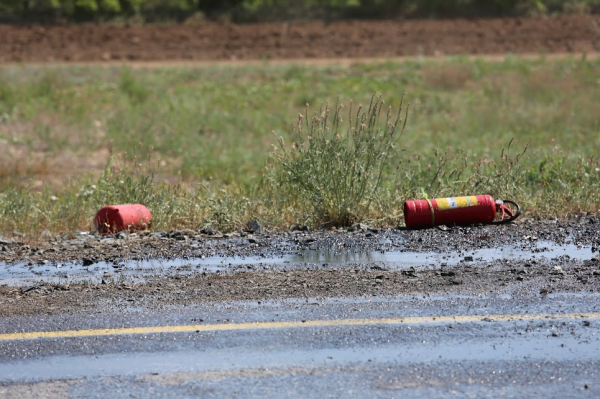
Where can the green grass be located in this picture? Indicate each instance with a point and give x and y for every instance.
(195, 143)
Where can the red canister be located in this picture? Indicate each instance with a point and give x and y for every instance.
(456, 211)
(115, 218)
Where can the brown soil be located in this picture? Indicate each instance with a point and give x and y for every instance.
(298, 40)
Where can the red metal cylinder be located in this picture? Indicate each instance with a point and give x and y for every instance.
(450, 211)
(115, 218)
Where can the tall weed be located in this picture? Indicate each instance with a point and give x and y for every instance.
(336, 167)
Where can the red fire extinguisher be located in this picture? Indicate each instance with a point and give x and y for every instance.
(458, 211)
(115, 218)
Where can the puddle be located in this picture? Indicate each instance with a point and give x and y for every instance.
(404, 259)
(395, 260)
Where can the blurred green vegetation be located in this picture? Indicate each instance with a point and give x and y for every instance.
(195, 144)
(260, 10)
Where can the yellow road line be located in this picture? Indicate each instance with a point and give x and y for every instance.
(288, 324)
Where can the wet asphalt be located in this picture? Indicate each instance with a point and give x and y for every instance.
(545, 352)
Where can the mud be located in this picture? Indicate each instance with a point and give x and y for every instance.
(273, 279)
(298, 40)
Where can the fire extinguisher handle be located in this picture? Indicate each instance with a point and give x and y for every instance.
(505, 209)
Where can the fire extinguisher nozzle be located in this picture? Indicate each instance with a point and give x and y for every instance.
(512, 215)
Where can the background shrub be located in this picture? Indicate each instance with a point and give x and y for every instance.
(261, 10)
(335, 171)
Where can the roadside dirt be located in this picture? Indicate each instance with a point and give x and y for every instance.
(298, 40)
(266, 281)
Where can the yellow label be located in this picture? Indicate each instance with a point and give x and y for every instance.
(444, 204)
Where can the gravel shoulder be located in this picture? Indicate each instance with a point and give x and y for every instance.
(270, 279)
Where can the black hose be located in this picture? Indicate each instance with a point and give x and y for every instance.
(514, 216)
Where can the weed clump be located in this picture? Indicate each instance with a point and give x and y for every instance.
(335, 168)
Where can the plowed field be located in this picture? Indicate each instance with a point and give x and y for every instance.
(297, 40)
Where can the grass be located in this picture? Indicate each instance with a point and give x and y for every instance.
(195, 144)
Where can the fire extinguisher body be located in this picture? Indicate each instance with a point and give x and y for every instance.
(115, 218)
(450, 211)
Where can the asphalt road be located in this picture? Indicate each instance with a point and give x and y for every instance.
(406, 346)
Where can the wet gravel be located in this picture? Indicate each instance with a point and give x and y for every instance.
(267, 280)
(89, 249)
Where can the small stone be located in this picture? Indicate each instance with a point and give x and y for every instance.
(87, 261)
(358, 227)
(24, 290)
(559, 270)
(254, 226)
(468, 259)
(108, 241)
(209, 231)
(377, 267)
(122, 235)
